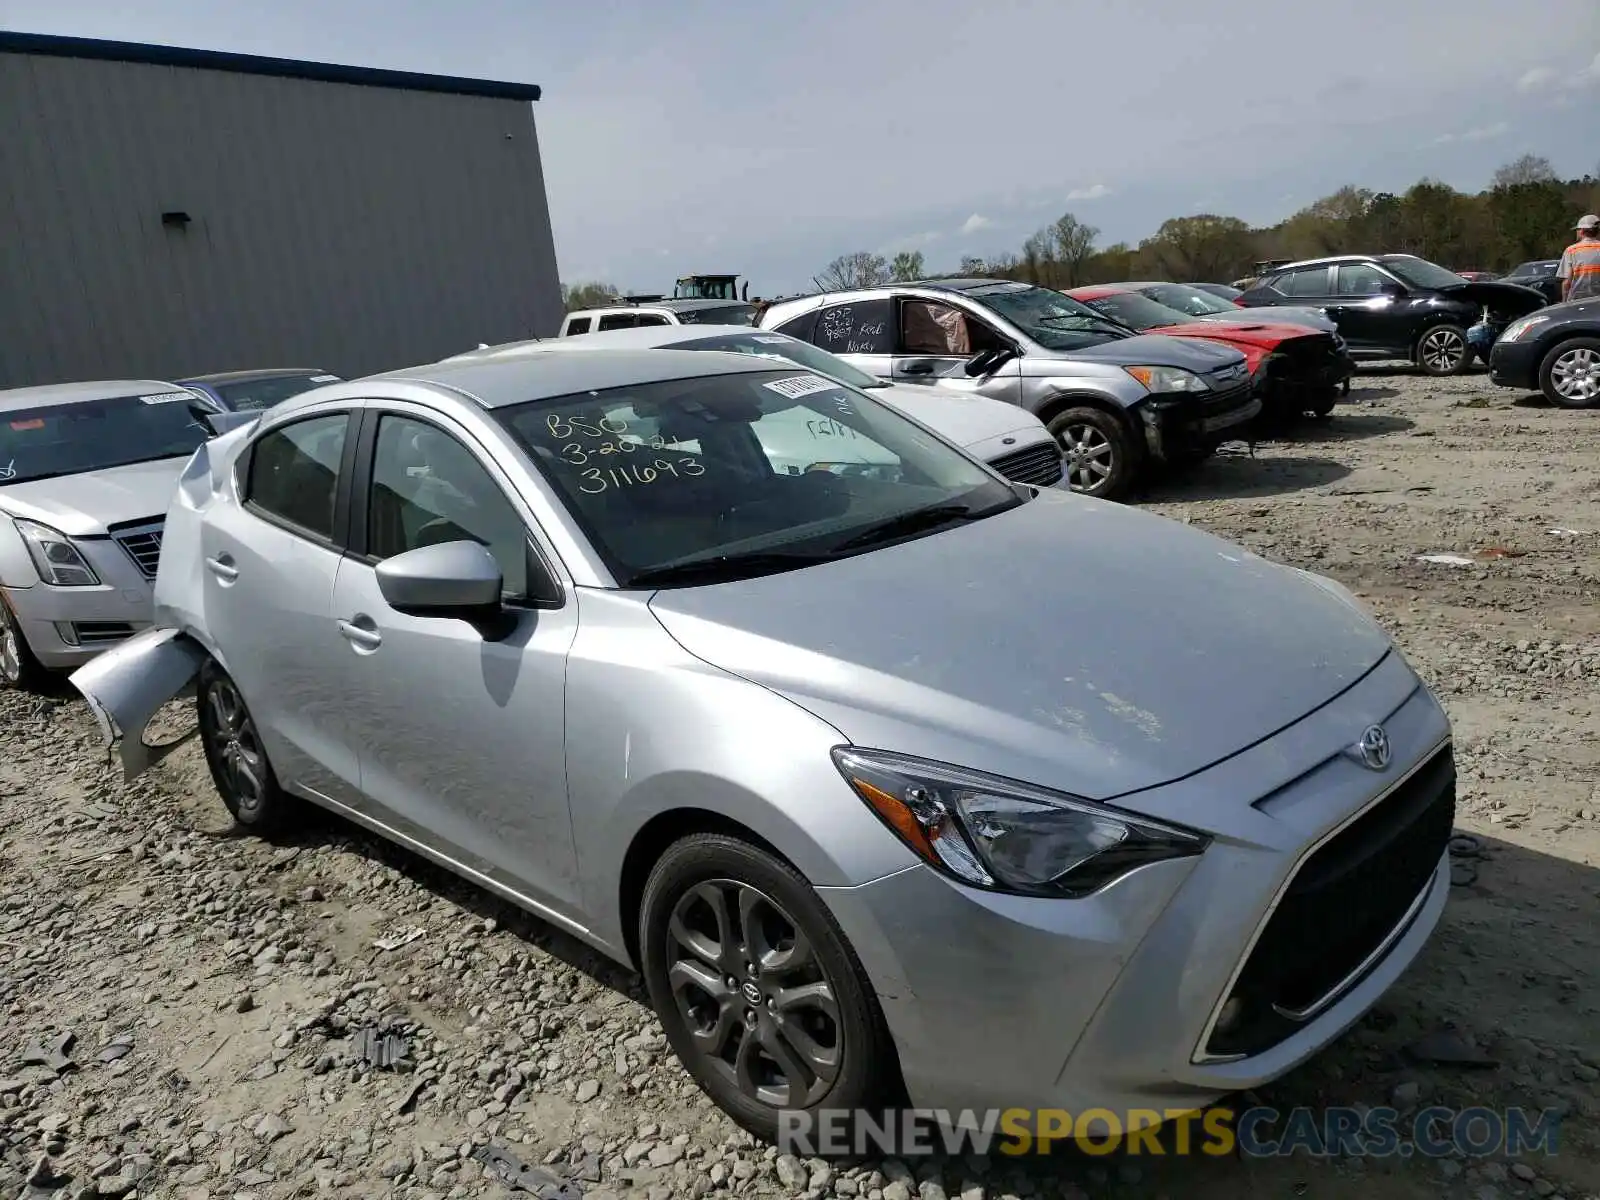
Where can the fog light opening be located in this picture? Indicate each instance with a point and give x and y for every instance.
(1230, 1016)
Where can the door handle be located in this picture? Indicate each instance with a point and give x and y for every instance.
(360, 636)
(920, 367)
(222, 567)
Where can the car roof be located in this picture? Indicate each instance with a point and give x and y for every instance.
(251, 376)
(499, 382)
(673, 306)
(640, 337)
(50, 394)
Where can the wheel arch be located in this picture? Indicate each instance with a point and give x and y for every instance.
(1061, 401)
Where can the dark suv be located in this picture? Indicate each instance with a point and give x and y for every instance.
(1396, 305)
(1539, 275)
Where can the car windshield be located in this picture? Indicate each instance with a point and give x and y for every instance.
(1420, 273)
(1533, 270)
(1190, 300)
(1138, 312)
(785, 348)
(250, 395)
(92, 435)
(724, 477)
(732, 314)
(1055, 321)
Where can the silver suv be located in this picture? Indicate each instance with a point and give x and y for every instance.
(1118, 402)
(624, 315)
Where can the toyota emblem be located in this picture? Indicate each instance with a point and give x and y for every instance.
(752, 993)
(1374, 748)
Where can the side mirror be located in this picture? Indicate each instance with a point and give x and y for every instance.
(218, 422)
(452, 579)
(1393, 290)
(987, 362)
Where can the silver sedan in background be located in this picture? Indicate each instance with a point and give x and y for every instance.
(927, 779)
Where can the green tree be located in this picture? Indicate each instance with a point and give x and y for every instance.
(907, 265)
(1201, 248)
(587, 295)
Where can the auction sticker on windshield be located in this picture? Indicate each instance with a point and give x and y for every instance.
(166, 397)
(801, 385)
(324, 379)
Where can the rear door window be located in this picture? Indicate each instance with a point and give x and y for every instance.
(618, 321)
(1309, 281)
(294, 473)
(860, 327)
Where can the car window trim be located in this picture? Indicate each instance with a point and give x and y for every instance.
(365, 456)
(338, 537)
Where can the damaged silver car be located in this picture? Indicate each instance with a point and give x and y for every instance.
(914, 784)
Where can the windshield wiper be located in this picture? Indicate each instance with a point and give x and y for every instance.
(721, 568)
(916, 521)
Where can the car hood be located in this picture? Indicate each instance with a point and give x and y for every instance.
(1146, 350)
(1284, 314)
(972, 422)
(86, 505)
(1074, 642)
(1510, 299)
(1257, 335)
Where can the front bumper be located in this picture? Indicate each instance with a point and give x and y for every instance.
(1001, 1001)
(65, 627)
(1515, 365)
(1178, 426)
(1289, 385)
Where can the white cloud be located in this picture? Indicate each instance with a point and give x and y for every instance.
(974, 223)
(1535, 78)
(1482, 133)
(1095, 192)
(1589, 75)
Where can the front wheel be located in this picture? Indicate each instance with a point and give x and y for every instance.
(18, 667)
(238, 761)
(1569, 376)
(1098, 450)
(759, 994)
(1443, 350)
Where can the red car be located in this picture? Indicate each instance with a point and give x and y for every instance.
(1297, 370)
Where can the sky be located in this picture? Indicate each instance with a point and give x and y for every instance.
(766, 138)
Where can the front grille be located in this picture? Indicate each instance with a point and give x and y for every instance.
(1039, 465)
(1344, 902)
(142, 541)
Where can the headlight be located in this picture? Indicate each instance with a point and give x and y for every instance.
(1168, 379)
(1007, 836)
(56, 558)
(1515, 331)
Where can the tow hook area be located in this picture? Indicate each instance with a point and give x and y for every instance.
(127, 685)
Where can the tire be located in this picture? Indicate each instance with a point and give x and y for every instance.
(1321, 407)
(1099, 449)
(1569, 376)
(1442, 350)
(843, 1060)
(239, 767)
(19, 669)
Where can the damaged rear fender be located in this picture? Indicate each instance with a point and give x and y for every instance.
(128, 684)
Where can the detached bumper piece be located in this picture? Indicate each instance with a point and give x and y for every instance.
(1347, 904)
(127, 685)
(1182, 427)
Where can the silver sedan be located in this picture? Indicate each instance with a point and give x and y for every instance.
(918, 779)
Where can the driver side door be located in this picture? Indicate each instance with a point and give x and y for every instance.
(935, 340)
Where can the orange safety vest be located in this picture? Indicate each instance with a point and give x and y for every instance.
(1581, 264)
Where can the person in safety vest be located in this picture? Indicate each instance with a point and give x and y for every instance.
(1579, 271)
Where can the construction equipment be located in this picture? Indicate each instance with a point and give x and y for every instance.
(710, 287)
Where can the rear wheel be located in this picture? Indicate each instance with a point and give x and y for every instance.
(1098, 449)
(1321, 405)
(18, 667)
(1443, 350)
(1569, 376)
(238, 762)
(758, 991)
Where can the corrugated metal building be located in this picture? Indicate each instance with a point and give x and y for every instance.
(166, 212)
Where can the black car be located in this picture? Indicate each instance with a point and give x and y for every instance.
(1540, 275)
(1556, 350)
(1396, 305)
(250, 391)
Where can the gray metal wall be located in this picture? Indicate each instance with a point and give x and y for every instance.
(346, 227)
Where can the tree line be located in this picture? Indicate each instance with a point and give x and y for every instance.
(1526, 213)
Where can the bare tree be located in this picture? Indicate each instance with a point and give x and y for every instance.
(907, 265)
(973, 265)
(1072, 245)
(1530, 168)
(861, 269)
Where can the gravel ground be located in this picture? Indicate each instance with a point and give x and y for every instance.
(211, 982)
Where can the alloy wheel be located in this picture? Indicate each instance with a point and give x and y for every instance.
(1443, 351)
(753, 993)
(1090, 457)
(10, 652)
(229, 729)
(1576, 376)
